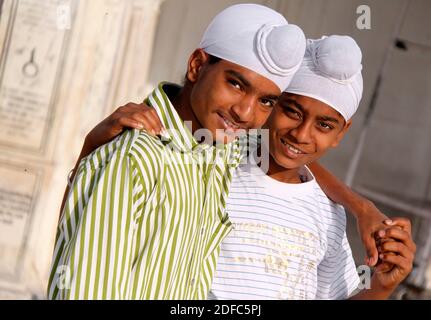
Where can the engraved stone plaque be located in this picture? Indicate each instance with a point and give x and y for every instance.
(32, 51)
(16, 202)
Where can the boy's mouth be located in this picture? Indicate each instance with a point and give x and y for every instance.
(229, 125)
(291, 151)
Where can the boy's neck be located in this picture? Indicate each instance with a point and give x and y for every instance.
(279, 173)
(181, 103)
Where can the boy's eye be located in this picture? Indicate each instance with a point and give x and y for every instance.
(293, 113)
(325, 126)
(268, 102)
(235, 84)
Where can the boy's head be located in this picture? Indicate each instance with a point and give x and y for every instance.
(246, 58)
(315, 111)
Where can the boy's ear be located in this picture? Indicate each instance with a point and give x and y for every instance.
(341, 134)
(196, 61)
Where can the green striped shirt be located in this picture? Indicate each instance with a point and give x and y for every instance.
(145, 216)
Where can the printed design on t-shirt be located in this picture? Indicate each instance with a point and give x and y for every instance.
(281, 241)
(290, 253)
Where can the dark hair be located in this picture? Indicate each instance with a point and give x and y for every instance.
(213, 59)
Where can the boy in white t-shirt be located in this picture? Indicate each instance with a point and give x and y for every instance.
(289, 240)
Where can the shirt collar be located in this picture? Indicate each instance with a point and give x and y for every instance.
(178, 134)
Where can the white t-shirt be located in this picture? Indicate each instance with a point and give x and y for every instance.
(289, 242)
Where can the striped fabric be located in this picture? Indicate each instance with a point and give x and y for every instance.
(289, 242)
(145, 216)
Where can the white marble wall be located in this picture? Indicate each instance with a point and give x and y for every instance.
(65, 64)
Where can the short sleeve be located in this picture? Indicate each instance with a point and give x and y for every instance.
(336, 275)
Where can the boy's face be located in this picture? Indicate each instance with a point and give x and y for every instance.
(226, 96)
(302, 129)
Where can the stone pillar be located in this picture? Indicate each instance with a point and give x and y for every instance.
(64, 65)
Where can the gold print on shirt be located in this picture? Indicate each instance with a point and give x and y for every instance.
(292, 254)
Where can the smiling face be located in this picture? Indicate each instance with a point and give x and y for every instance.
(302, 129)
(229, 97)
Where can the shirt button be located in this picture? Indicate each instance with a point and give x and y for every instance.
(192, 282)
(202, 231)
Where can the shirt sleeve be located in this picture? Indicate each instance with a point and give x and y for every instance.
(93, 250)
(336, 275)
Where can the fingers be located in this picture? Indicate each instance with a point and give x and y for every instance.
(130, 123)
(367, 228)
(137, 117)
(399, 235)
(394, 233)
(401, 262)
(372, 253)
(154, 120)
(398, 248)
(383, 267)
(402, 222)
(145, 123)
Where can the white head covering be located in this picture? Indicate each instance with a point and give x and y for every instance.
(331, 73)
(257, 38)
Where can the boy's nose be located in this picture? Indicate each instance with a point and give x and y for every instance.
(301, 133)
(243, 112)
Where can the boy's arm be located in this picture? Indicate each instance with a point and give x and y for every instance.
(85, 151)
(369, 218)
(93, 245)
(135, 116)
